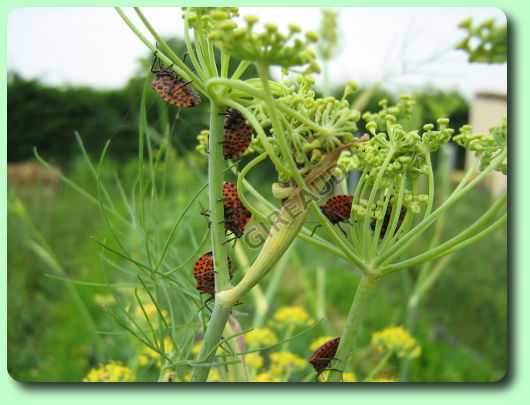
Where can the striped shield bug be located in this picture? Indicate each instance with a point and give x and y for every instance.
(321, 358)
(173, 88)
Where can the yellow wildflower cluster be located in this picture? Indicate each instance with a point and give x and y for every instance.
(266, 377)
(152, 312)
(292, 316)
(282, 364)
(348, 377)
(319, 342)
(285, 362)
(112, 372)
(149, 354)
(397, 339)
(261, 337)
(254, 360)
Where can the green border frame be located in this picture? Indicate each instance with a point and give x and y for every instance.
(512, 389)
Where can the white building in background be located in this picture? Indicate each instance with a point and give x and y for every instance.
(487, 109)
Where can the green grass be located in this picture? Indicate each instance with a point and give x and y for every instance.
(461, 322)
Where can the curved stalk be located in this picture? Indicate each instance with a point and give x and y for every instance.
(304, 234)
(283, 232)
(284, 147)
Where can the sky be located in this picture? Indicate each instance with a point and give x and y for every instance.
(407, 48)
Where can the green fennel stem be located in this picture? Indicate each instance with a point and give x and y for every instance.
(353, 324)
(215, 197)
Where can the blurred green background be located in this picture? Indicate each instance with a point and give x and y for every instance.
(52, 323)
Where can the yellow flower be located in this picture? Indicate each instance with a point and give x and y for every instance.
(348, 377)
(396, 338)
(148, 353)
(254, 360)
(197, 347)
(168, 345)
(384, 379)
(285, 362)
(266, 377)
(143, 360)
(152, 313)
(112, 372)
(150, 310)
(294, 315)
(261, 337)
(214, 376)
(319, 342)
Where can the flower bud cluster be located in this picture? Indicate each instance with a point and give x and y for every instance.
(328, 33)
(207, 18)
(329, 124)
(202, 139)
(401, 111)
(485, 145)
(269, 47)
(485, 42)
(408, 150)
(413, 203)
(391, 156)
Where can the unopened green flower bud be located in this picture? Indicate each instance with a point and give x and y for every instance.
(282, 190)
(466, 23)
(415, 208)
(214, 36)
(240, 33)
(311, 36)
(371, 126)
(251, 19)
(422, 198)
(271, 28)
(294, 28)
(219, 15)
(428, 127)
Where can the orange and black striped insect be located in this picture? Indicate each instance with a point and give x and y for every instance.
(173, 88)
(204, 273)
(386, 220)
(235, 213)
(321, 358)
(237, 134)
(337, 209)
